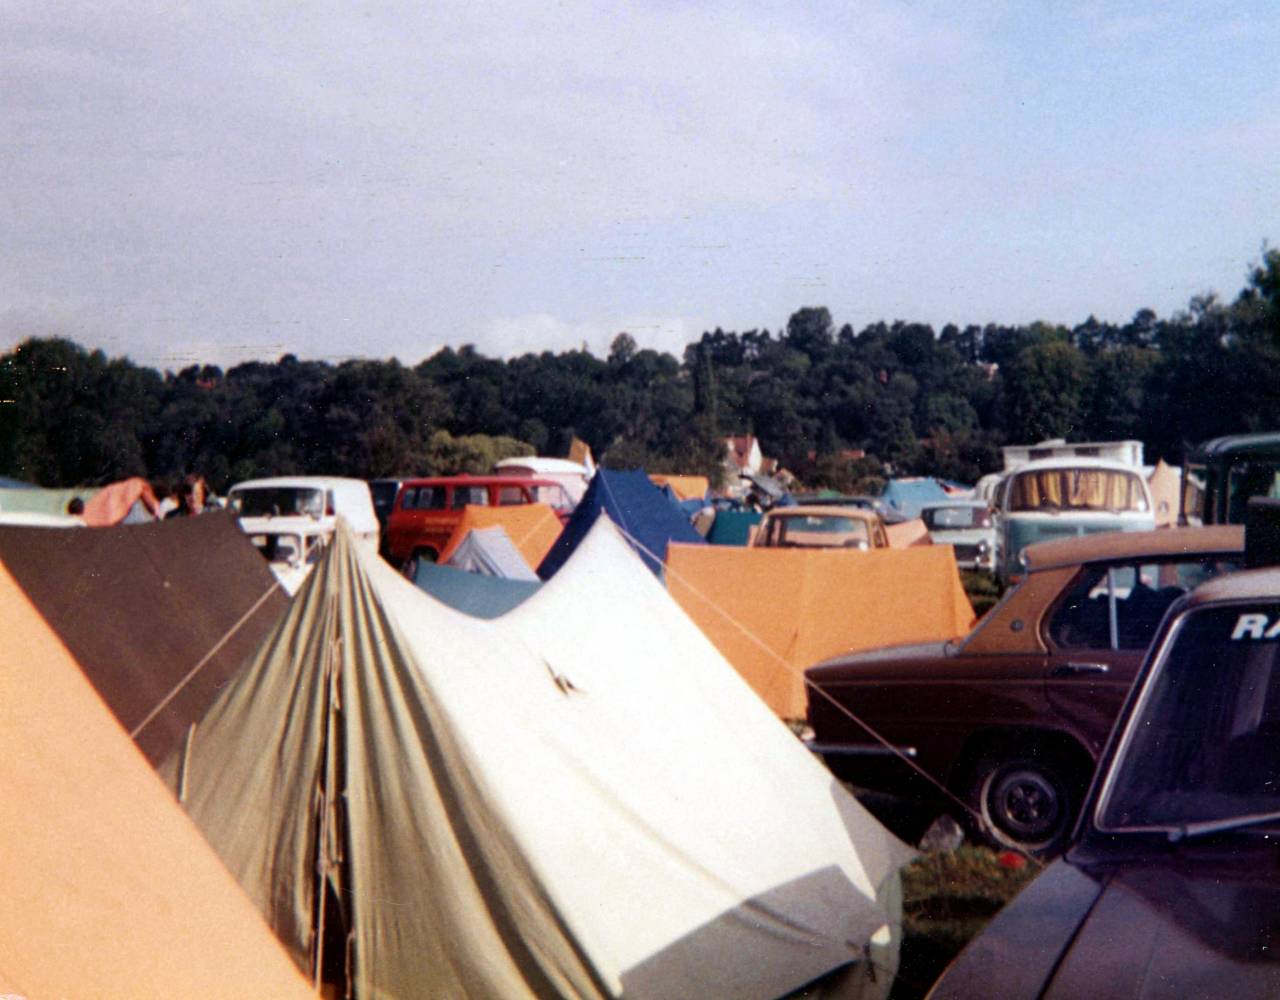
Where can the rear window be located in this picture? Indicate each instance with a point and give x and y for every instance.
(956, 518)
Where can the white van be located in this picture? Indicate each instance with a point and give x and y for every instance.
(1065, 497)
(292, 518)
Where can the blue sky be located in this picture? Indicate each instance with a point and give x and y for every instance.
(224, 181)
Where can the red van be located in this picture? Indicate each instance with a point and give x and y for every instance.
(427, 510)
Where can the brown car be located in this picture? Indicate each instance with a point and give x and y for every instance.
(1171, 887)
(1012, 718)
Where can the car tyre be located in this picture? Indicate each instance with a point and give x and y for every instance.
(1027, 803)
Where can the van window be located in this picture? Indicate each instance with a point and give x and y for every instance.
(424, 498)
(510, 496)
(473, 496)
(1077, 489)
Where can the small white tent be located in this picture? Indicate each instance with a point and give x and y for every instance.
(579, 799)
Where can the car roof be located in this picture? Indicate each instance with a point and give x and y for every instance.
(1236, 444)
(808, 510)
(958, 502)
(1133, 544)
(1246, 585)
(543, 466)
(470, 480)
(284, 481)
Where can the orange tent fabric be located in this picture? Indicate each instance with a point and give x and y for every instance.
(773, 612)
(907, 533)
(685, 487)
(110, 504)
(109, 888)
(533, 528)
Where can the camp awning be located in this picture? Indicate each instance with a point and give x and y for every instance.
(773, 612)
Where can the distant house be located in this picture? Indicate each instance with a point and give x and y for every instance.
(743, 455)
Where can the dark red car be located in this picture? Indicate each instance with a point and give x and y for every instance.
(1013, 717)
(1172, 888)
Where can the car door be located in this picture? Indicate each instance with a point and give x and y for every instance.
(1099, 632)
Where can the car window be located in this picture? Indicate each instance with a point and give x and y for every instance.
(1120, 605)
(424, 498)
(552, 496)
(511, 496)
(1203, 745)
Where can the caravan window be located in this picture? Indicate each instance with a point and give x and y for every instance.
(1077, 489)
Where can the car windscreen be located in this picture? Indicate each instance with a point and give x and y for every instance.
(1077, 489)
(1204, 743)
(955, 518)
(818, 531)
(277, 501)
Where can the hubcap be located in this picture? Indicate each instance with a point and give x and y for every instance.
(1026, 804)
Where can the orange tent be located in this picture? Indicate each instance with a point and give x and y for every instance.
(904, 534)
(533, 528)
(112, 503)
(685, 487)
(773, 612)
(109, 889)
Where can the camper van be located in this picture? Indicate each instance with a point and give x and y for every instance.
(1064, 497)
(291, 518)
(1220, 476)
(573, 476)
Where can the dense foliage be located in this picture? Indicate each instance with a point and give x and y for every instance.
(918, 400)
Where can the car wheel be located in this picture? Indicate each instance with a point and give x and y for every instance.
(1027, 803)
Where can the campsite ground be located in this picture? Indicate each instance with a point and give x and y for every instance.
(948, 898)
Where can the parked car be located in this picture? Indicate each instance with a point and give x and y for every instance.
(1171, 889)
(968, 526)
(291, 518)
(820, 528)
(428, 509)
(1013, 717)
(887, 513)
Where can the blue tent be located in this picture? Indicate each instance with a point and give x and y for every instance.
(647, 519)
(472, 593)
(907, 496)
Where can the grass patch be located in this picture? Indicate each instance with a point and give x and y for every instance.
(948, 897)
(984, 590)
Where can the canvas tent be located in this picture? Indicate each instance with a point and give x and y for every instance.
(130, 500)
(534, 806)
(490, 552)
(1165, 483)
(647, 519)
(773, 612)
(684, 487)
(532, 527)
(473, 594)
(109, 890)
(907, 496)
(143, 608)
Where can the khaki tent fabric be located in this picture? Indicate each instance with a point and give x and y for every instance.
(684, 487)
(773, 612)
(532, 527)
(140, 607)
(109, 890)
(579, 799)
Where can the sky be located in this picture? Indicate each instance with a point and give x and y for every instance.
(223, 181)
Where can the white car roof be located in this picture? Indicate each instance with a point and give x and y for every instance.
(543, 465)
(316, 482)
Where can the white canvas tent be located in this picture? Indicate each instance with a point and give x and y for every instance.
(491, 551)
(579, 799)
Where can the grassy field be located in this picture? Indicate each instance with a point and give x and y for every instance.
(948, 898)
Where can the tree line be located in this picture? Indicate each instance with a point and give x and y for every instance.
(916, 400)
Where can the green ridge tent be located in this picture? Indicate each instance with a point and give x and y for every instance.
(580, 799)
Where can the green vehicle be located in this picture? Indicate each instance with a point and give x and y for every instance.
(1219, 477)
